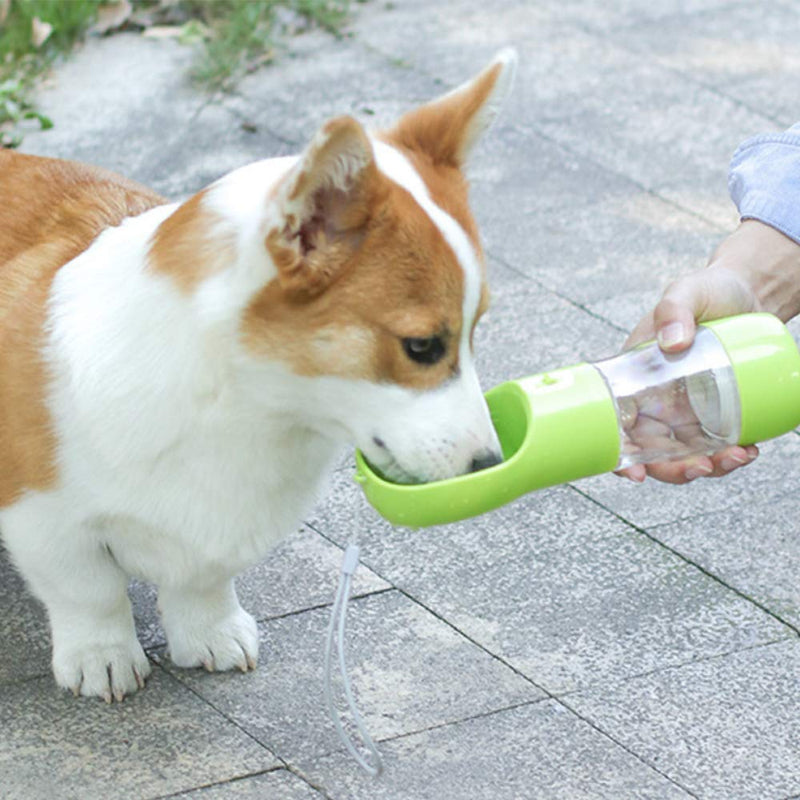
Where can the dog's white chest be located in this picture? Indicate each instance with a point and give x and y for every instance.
(186, 467)
(210, 505)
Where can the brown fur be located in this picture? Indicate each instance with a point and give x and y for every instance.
(191, 245)
(50, 212)
(443, 129)
(328, 220)
(402, 281)
(344, 306)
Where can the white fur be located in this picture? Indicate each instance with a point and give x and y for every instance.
(182, 458)
(436, 434)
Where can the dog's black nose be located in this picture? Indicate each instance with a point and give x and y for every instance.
(485, 461)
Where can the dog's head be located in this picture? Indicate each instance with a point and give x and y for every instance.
(375, 281)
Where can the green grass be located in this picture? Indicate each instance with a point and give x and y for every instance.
(244, 34)
(21, 63)
(69, 19)
(233, 37)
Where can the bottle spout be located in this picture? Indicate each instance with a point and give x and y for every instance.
(553, 428)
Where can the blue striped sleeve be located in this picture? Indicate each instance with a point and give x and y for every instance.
(764, 180)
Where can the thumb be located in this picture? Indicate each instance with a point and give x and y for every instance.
(674, 317)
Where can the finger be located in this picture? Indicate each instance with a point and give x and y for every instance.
(680, 472)
(643, 332)
(674, 316)
(726, 461)
(636, 473)
(714, 292)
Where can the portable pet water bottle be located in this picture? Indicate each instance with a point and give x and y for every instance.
(739, 383)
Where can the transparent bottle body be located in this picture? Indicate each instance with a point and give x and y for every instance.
(673, 406)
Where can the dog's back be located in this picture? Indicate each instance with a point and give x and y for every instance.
(62, 202)
(51, 212)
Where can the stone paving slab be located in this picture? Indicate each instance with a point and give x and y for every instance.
(528, 329)
(159, 741)
(753, 548)
(574, 250)
(752, 56)
(529, 753)
(645, 505)
(409, 670)
(559, 589)
(725, 729)
(537, 176)
(24, 633)
(276, 785)
(665, 133)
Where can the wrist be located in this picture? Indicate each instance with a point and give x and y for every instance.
(767, 263)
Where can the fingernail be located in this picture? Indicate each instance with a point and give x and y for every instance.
(696, 472)
(732, 462)
(671, 334)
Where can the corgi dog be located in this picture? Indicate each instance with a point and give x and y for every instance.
(176, 380)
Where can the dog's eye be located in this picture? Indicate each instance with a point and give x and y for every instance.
(424, 351)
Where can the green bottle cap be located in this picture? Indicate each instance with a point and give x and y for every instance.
(766, 364)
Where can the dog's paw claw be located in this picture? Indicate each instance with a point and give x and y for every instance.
(107, 671)
(139, 679)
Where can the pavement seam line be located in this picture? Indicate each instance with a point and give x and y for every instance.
(442, 619)
(236, 779)
(687, 560)
(625, 747)
(542, 285)
(446, 724)
(673, 667)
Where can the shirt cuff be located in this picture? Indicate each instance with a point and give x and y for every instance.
(764, 180)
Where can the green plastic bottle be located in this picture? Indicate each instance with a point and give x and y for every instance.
(739, 383)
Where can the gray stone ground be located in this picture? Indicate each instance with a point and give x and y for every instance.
(601, 640)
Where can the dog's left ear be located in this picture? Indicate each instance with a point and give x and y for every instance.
(323, 205)
(447, 129)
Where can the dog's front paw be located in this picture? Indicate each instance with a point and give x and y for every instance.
(98, 669)
(229, 643)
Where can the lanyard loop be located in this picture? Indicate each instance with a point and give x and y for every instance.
(335, 634)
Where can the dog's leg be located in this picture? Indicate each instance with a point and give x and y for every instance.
(206, 626)
(95, 649)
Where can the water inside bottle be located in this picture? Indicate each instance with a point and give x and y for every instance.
(673, 406)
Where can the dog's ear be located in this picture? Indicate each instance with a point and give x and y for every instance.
(448, 128)
(324, 204)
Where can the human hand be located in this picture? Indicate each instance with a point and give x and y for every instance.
(756, 268)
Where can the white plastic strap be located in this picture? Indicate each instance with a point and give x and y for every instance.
(336, 629)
